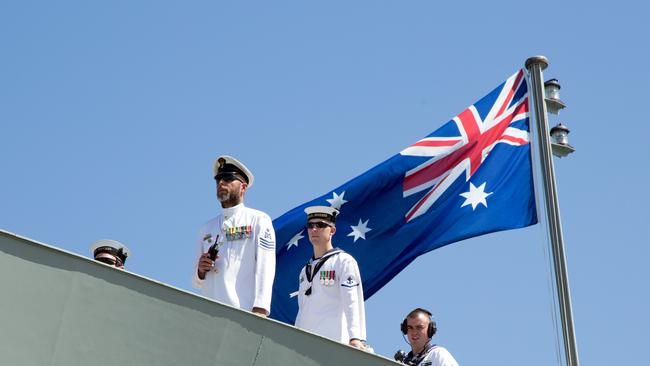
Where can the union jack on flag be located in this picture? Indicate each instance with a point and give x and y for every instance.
(451, 156)
(470, 177)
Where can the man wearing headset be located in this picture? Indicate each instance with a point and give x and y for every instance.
(419, 327)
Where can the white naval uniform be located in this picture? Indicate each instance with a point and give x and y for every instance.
(334, 308)
(246, 264)
(438, 356)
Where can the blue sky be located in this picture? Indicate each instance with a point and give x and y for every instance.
(111, 114)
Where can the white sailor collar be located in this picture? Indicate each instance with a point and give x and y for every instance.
(326, 254)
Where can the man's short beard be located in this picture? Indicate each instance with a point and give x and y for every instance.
(229, 199)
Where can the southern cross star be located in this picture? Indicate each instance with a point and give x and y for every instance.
(475, 196)
(337, 201)
(294, 241)
(360, 230)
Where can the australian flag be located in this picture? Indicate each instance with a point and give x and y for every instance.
(470, 177)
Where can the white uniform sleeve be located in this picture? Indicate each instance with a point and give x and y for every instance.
(301, 296)
(196, 281)
(439, 356)
(264, 264)
(352, 299)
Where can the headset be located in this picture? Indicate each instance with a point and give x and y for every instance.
(431, 330)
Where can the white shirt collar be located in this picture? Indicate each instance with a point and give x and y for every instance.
(230, 211)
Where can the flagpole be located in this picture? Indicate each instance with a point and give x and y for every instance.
(535, 65)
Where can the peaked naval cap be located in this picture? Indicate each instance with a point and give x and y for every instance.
(228, 164)
(110, 246)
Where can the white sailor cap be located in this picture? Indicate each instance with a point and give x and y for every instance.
(226, 164)
(322, 212)
(110, 246)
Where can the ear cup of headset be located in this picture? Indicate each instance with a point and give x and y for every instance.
(433, 328)
(403, 327)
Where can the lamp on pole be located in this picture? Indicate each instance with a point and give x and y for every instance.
(559, 139)
(535, 66)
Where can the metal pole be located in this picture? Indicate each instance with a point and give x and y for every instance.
(535, 65)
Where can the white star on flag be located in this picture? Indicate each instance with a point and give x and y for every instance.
(293, 294)
(337, 201)
(360, 230)
(475, 196)
(295, 239)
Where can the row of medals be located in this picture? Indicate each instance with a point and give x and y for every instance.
(327, 277)
(233, 233)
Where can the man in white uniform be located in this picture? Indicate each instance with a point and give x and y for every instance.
(420, 328)
(236, 250)
(330, 296)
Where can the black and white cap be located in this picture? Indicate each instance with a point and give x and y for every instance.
(110, 246)
(324, 213)
(226, 164)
